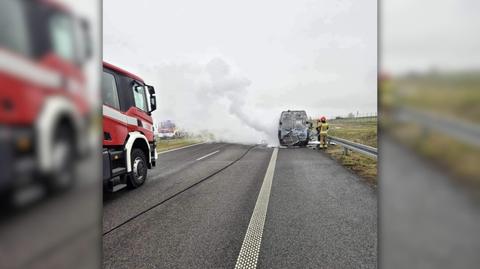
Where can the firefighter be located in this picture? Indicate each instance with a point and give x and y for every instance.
(322, 130)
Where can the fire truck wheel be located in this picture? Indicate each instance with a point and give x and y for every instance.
(63, 174)
(139, 169)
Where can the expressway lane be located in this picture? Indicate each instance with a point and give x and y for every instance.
(200, 228)
(320, 215)
(174, 172)
(61, 231)
(429, 220)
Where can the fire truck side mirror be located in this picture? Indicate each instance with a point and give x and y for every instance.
(153, 98)
(151, 90)
(153, 103)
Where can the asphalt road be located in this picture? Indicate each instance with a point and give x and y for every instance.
(195, 208)
(60, 231)
(319, 215)
(427, 219)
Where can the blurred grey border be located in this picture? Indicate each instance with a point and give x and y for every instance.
(429, 97)
(63, 230)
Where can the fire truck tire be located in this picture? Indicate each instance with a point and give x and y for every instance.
(63, 154)
(6, 201)
(139, 169)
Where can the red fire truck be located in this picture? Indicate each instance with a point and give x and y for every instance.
(167, 130)
(128, 137)
(43, 104)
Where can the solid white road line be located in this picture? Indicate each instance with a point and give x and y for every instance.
(170, 150)
(248, 256)
(209, 154)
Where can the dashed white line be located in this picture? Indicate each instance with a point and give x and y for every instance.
(209, 154)
(248, 256)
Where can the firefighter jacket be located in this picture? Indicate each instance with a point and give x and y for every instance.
(323, 128)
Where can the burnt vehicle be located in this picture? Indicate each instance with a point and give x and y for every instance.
(293, 128)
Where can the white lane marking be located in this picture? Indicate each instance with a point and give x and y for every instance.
(209, 154)
(248, 256)
(170, 150)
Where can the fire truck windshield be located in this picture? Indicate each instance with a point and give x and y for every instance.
(35, 28)
(139, 95)
(13, 27)
(61, 28)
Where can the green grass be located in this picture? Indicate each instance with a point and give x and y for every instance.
(168, 144)
(360, 131)
(451, 94)
(363, 132)
(460, 161)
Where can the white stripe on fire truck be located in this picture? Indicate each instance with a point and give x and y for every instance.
(132, 120)
(28, 70)
(147, 125)
(117, 115)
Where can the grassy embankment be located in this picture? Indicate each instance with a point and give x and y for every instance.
(360, 131)
(168, 144)
(455, 95)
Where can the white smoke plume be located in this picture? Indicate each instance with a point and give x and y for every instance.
(210, 97)
(217, 72)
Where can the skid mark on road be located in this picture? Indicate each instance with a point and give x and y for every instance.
(248, 256)
(161, 165)
(178, 193)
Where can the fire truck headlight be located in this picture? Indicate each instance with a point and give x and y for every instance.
(22, 140)
(24, 144)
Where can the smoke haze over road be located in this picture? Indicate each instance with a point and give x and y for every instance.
(232, 69)
(211, 97)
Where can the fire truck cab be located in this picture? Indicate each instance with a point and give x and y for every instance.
(44, 109)
(128, 134)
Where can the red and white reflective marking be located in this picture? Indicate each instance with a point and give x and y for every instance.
(28, 70)
(118, 116)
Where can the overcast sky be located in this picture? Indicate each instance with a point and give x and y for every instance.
(419, 35)
(224, 65)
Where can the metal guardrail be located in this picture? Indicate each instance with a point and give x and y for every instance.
(349, 145)
(466, 132)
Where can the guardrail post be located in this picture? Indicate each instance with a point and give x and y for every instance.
(345, 152)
